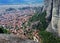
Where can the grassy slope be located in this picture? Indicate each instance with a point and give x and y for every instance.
(39, 17)
(46, 36)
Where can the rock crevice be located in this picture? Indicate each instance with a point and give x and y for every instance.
(52, 8)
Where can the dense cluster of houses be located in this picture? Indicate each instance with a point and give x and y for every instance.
(14, 19)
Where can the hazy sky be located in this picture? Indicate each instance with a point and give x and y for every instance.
(6, 2)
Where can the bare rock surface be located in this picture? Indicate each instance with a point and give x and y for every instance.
(5, 38)
(52, 8)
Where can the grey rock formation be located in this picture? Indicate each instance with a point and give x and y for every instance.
(4, 38)
(53, 12)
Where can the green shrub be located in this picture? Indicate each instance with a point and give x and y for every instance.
(49, 37)
(3, 30)
(6, 31)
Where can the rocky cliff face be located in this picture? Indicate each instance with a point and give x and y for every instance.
(53, 14)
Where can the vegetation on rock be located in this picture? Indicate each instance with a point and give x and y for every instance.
(42, 24)
(3, 30)
(46, 37)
